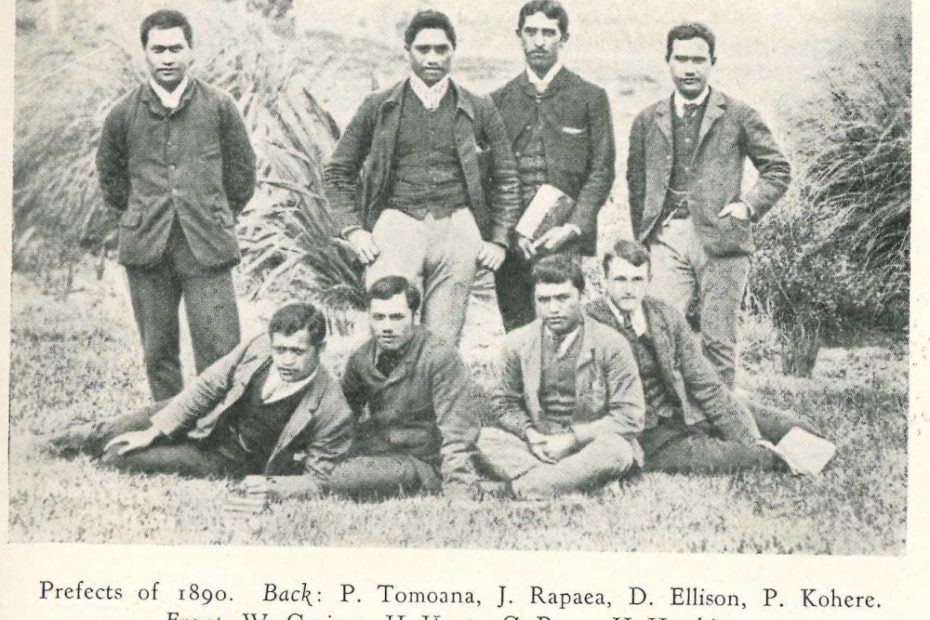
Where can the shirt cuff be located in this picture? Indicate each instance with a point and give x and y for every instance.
(574, 228)
(347, 230)
(752, 209)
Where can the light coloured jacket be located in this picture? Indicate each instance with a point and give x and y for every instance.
(318, 434)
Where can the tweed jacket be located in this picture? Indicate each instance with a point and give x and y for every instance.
(684, 369)
(194, 163)
(368, 144)
(578, 138)
(318, 435)
(609, 395)
(730, 132)
(428, 407)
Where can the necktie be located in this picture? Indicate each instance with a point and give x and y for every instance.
(387, 362)
(691, 109)
(627, 321)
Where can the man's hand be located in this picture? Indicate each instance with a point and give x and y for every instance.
(135, 440)
(537, 444)
(364, 245)
(557, 447)
(491, 255)
(555, 238)
(526, 246)
(739, 210)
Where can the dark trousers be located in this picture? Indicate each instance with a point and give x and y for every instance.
(514, 284)
(165, 456)
(209, 300)
(675, 447)
(382, 475)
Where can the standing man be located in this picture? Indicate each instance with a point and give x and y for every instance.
(562, 135)
(422, 212)
(693, 422)
(419, 408)
(176, 167)
(268, 408)
(685, 172)
(569, 405)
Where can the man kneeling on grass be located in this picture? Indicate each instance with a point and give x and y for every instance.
(693, 422)
(417, 405)
(268, 407)
(569, 404)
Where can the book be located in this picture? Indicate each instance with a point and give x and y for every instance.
(804, 452)
(549, 208)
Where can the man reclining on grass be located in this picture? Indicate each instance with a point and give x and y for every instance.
(693, 422)
(417, 405)
(569, 405)
(268, 407)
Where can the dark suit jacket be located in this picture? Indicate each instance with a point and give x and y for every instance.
(607, 387)
(685, 370)
(428, 407)
(730, 132)
(196, 162)
(578, 137)
(318, 434)
(368, 146)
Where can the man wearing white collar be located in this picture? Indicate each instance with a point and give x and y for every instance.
(176, 167)
(422, 211)
(693, 423)
(684, 174)
(562, 136)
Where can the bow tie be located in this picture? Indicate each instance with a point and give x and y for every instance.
(691, 109)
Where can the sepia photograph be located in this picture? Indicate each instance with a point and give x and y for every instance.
(493, 275)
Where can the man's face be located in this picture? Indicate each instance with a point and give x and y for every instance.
(558, 305)
(168, 56)
(542, 39)
(391, 322)
(690, 64)
(431, 55)
(293, 356)
(626, 283)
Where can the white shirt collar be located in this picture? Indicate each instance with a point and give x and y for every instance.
(637, 317)
(430, 96)
(170, 99)
(565, 341)
(276, 388)
(542, 83)
(680, 101)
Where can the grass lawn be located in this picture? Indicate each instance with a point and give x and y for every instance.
(79, 358)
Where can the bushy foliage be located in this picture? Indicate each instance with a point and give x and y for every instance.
(834, 259)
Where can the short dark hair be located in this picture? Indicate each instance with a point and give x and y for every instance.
(165, 20)
(550, 8)
(631, 251)
(690, 30)
(557, 269)
(389, 286)
(429, 19)
(290, 319)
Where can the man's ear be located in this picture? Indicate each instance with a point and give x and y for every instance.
(565, 38)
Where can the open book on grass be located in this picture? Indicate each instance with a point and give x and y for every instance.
(804, 452)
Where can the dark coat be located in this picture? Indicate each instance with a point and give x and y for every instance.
(578, 137)
(730, 132)
(318, 434)
(685, 371)
(429, 407)
(194, 163)
(367, 146)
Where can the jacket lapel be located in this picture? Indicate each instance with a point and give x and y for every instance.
(663, 119)
(303, 414)
(531, 363)
(716, 106)
(389, 122)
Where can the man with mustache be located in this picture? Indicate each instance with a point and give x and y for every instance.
(687, 204)
(561, 132)
(176, 167)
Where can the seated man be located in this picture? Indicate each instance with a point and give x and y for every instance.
(422, 420)
(267, 407)
(693, 422)
(569, 405)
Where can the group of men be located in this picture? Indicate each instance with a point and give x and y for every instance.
(427, 184)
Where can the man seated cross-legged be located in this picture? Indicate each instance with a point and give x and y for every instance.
(417, 406)
(267, 408)
(693, 422)
(569, 405)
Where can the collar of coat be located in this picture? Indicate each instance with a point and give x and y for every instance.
(561, 80)
(395, 97)
(590, 341)
(154, 101)
(716, 107)
(410, 355)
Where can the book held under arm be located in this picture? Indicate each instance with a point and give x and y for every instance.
(549, 208)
